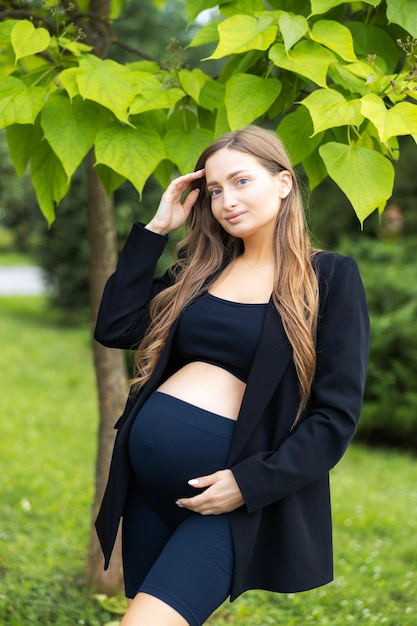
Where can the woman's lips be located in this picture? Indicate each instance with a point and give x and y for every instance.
(234, 217)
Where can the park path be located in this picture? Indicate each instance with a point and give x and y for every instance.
(21, 281)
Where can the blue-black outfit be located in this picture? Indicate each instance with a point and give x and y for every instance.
(281, 538)
(181, 557)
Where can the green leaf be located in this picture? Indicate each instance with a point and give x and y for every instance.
(296, 130)
(71, 127)
(151, 95)
(292, 27)
(247, 7)
(131, 152)
(195, 7)
(19, 104)
(403, 12)
(365, 176)
(182, 118)
(203, 89)
(184, 148)
(222, 123)
(150, 67)
(6, 28)
(359, 78)
(341, 74)
(156, 120)
(23, 139)
(83, 5)
(307, 59)
(401, 119)
(240, 64)
(207, 34)
(111, 180)
(108, 83)
(192, 82)
(116, 7)
(212, 94)
(68, 80)
(315, 169)
(322, 6)
(7, 56)
(49, 180)
(75, 47)
(241, 33)
(163, 173)
(369, 39)
(112, 604)
(328, 108)
(334, 36)
(248, 97)
(27, 40)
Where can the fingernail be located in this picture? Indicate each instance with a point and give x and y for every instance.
(179, 504)
(193, 481)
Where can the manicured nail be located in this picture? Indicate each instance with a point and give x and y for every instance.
(179, 504)
(193, 482)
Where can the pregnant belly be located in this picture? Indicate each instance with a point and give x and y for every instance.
(207, 386)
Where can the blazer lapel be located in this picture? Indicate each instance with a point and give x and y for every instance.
(271, 359)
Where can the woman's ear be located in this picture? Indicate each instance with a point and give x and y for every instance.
(285, 183)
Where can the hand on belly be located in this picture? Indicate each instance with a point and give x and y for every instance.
(222, 494)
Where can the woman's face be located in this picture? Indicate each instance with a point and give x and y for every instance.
(245, 196)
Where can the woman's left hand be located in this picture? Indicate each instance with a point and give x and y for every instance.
(221, 494)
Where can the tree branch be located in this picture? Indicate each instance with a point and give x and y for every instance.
(25, 14)
(139, 53)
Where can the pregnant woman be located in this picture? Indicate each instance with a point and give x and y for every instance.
(250, 370)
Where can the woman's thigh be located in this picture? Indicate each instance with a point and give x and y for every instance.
(193, 573)
(144, 535)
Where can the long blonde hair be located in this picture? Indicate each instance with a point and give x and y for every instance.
(206, 247)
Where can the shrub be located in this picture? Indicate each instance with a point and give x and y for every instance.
(389, 273)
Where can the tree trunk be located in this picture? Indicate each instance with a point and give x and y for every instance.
(110, 372)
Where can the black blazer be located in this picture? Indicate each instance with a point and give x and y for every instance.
(282, 535)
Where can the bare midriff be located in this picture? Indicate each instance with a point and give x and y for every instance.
(207, 386)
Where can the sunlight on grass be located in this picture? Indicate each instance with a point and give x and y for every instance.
(47, 452)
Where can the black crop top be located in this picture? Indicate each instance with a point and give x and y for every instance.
(220, 332)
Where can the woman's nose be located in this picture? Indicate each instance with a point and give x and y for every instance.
(229, 198)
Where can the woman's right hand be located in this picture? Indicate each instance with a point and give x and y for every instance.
(171, 212)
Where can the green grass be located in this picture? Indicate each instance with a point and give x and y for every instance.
(47, 450)
(8, 253)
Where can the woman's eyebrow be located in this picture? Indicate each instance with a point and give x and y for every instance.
(229, 176)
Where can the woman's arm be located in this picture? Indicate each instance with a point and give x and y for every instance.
(321, 439)
(123, 316)
(124, 310)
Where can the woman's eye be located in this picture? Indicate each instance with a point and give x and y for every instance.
(215, 192)
(242, 181)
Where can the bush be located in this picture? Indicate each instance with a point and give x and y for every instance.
(389, 273)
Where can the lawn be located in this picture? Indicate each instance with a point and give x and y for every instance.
(47, 450)
(8, 253)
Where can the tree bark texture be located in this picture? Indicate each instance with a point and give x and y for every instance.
(110, 371)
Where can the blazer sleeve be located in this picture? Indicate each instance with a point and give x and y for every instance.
(123, 315)
(323, 435)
